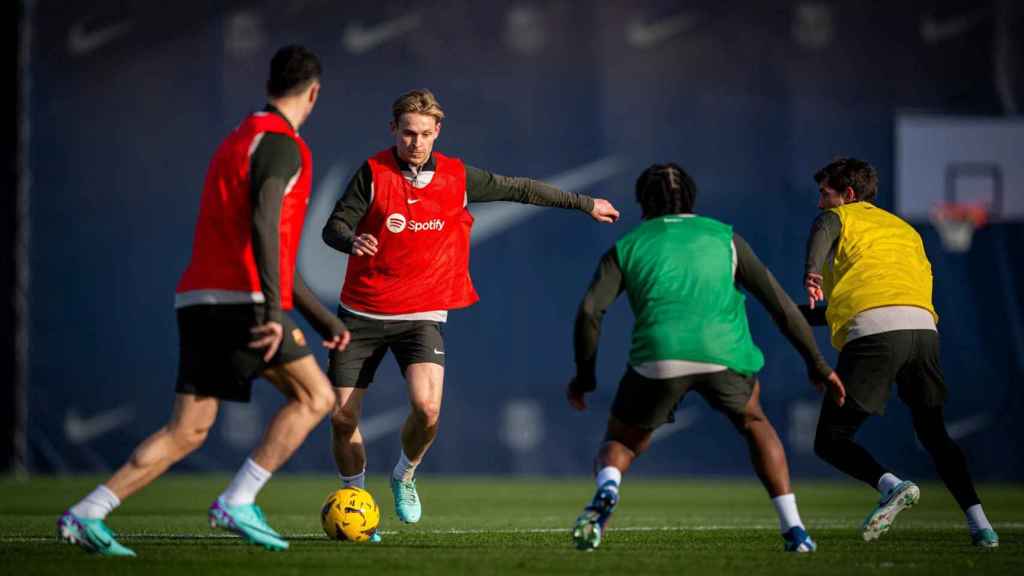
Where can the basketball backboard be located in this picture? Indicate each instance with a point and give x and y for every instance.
(960, 160)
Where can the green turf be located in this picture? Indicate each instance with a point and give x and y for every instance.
(515, 526)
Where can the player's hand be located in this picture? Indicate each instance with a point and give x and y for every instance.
(812, 282)
(364, 245)
(339, 342)
(603, 211)
(267, 336)
(832, 386)
(576, 395)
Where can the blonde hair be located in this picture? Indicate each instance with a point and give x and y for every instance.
(420, 101)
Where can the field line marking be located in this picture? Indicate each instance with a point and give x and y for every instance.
(133, 536)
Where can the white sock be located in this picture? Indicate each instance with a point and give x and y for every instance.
(100, 502)
(248, 481)
(609, 473)
(357, 480)
(789, 516)
(405, 469)
(976, 519)
(887, 482)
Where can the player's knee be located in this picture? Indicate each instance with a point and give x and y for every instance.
(749, 420)
(189, 438)
(344, 419)
(321, 401)
(427, 413)
(640, 446)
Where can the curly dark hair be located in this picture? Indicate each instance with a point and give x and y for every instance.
(292, 70)
(843, 173)
(665, 189)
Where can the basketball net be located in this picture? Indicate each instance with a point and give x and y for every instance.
(956, 223)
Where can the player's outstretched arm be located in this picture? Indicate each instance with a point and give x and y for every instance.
(604, 288)
(333, 331)
(604, 211)
(483, 186)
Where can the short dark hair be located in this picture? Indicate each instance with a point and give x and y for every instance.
(843, 173)
(292, 69)
(665, 189)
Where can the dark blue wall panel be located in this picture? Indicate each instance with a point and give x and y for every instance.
(128, 102)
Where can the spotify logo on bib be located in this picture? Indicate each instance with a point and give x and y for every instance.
(396, 223)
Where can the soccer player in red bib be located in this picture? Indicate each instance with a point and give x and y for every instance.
(404, 221)
(231, 304)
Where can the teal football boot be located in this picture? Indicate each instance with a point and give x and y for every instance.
(407, 501)
(986, 538)
(247, 521)
(902, 496)
(91, 534)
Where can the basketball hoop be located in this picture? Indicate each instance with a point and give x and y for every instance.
(956, 224)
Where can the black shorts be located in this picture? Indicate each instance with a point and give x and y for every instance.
(870, 364)
(647, 403)
(215, 358)
(411, 341)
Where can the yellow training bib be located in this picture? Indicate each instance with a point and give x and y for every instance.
(879, 261)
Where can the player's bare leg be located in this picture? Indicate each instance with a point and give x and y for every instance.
(191, 419)
(426, 386)
(766, 451)
(347, 445)
(622, 445)
(190, 422)
(769, 460)
(346, 440)
(309, 399)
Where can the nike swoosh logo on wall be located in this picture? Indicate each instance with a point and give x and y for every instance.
(380, 425)
(641, 34)
(79, 430)
(491, 219)
(359, 39)
(83, 41)
(966, 426)
(934, 30)
(684, 419)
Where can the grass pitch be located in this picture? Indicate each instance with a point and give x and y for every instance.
(515, 526)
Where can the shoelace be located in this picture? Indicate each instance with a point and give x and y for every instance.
(407, 493)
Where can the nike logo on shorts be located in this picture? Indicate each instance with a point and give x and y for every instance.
(438, 352)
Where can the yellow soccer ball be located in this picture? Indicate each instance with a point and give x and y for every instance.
(350, 514)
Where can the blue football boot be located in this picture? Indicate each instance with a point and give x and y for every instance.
(589, 527)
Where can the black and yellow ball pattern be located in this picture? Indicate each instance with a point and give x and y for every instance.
(350, 514)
